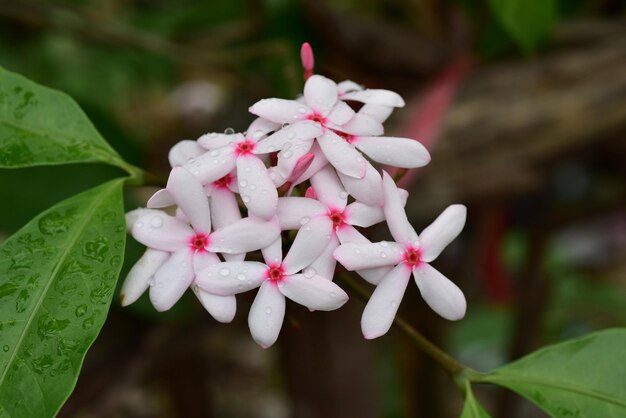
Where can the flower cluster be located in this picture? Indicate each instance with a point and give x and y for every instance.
(303, 165)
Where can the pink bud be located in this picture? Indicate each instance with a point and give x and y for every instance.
(308, 60)
(310, 193)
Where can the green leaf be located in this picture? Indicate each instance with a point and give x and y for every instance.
(471, 408)
(57, 276)
(41, 126)
(584, 377)
(528, 21)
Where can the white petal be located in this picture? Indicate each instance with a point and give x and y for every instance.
(375, 96)
(309, 243)
(342, 155)
(348, 234)
(224, 208)
(367, 256)
(162, 232)
(398, 152)
(273, 253)
(341, 113)
(234, 257)
(443, 296)
(190, 197)
(442, 231)
(290, 155)
(182, 152)
(383, 304)
(302, 130)
(360, 214)
(232, 277)
(293, 212)
(329, 189)
(377, 112)
(222, 308)
(266, 314)
(215, 140)
(172, 279)
(134, 215)
(138, 279)
(280, 110)
(212, 165)
(399, 225)
(261, 127)
(314, 292)
(320, 93)
(325, 264)
(256, 187)
(244, 236)
(369, 189)
(204, 259)
(161, 199)
(362, 124)
(348, 85)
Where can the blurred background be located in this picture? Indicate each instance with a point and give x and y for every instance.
(521, 103)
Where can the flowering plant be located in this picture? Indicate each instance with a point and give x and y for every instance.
(276, 208)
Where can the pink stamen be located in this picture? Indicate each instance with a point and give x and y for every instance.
(413, 256)
(349, 138)
(275, 273)
(199, 242)
(244, 147)
(337, 217)
(316, 117)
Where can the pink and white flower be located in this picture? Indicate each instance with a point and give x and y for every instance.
(192, 245)
(277, 279)
(409, 253)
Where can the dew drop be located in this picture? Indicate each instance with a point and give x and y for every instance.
(309, 273)
(286, 154)
(195, 288)
(229, 131)
(383, 255)
(224, 271)
(359, 159)
(214, 153)
(291, 135)
(5, 348)
(243, 183)
(393, 304)
(156, 222)
(252, 187)
(305, 220)
(384, 244)
(139, 224)
(256, 135)
(241, 277)
(301, 110)
(332, 294)
(246, 199)
(268, 310)
(357, 251)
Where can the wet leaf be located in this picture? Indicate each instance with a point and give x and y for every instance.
(584, 377)
(41, 126)
(57, 277)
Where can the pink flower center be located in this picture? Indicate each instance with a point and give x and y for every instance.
(316, 117)
(413, 256)
(245, 147)
(199, 242)
(349, 138)
(224, 182)
(337, 218)
(275, 273)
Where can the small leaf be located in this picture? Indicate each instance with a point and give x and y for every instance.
(57, 276)
(528, 21)
(471, 408)
(41, 126)
(585, 377)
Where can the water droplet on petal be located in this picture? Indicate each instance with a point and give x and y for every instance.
(229, 131)
(383, 254)
(224, 271)
(310, 272)
(332, 294)
(256, 135)
(393, 303)
(384, 244)
(246, 199)
(286, 154)
(305, 220)
(241, 277)
(214, 153)
(291, 135)
(243, 183)
(156, 221)
(139, 224)
(268, 310)
(357, 251)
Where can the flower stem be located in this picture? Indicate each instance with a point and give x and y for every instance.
(451, 366)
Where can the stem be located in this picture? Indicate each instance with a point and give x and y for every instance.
(139, 177)
(451, 366)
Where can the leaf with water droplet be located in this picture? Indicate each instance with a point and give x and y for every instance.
(41, 126)
(57, 276)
